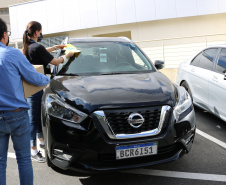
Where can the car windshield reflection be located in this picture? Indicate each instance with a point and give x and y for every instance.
(106, 58)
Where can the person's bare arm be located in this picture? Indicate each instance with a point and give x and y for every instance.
(50, 49)
(62, 59)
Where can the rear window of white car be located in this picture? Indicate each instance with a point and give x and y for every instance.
(221, 63)
(205, 59)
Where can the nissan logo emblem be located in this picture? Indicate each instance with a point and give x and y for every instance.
(135, 120)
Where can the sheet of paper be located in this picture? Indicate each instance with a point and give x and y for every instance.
(72, 48)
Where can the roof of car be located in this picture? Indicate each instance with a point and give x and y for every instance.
(100, 39)
(216, 46)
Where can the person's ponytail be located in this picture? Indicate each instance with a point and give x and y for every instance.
(32, 27)
(26, 43)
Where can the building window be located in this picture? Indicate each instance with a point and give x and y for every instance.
(4, 11)
(51, 41)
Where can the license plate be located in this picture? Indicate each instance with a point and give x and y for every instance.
(138, 150)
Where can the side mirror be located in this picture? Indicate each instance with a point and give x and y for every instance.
(159, 64)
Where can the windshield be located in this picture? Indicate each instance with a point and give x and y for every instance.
(106, 58)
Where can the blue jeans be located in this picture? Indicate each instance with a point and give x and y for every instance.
(16, 125)
(35, 117)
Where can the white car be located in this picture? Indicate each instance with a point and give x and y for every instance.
(203, 76)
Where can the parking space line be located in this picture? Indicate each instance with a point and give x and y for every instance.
(211, 138)
(175, 174)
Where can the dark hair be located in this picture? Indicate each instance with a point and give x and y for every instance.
(3, 28)
(32, 27)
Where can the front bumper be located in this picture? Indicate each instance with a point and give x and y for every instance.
(94, 151)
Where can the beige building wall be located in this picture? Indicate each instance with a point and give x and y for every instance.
(175, 40)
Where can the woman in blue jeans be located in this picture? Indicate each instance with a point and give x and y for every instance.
(38, 55)
(36, 129)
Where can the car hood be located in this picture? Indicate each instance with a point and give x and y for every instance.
(90, 93)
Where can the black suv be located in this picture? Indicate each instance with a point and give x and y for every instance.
(110, 109)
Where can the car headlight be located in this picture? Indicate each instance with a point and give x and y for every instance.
(184, 104)
(57, 108)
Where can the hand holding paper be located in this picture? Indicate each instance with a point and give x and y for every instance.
(60, 46)
(71, 48)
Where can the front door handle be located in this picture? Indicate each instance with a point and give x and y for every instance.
(215, 79)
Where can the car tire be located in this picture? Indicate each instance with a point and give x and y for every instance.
(185, 85)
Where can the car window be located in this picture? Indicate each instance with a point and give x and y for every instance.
(138, 60)
(221, 63)
(107, 57)
(207, 58)
(195, 61)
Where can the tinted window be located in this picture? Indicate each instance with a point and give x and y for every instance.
(196, 60)
(221, 64)
(206, 61)
(210, 53)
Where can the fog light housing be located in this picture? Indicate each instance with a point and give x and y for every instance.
(61, 155)
(182, 128)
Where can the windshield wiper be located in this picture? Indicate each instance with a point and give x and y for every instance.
(68, 74)
(113, 73)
